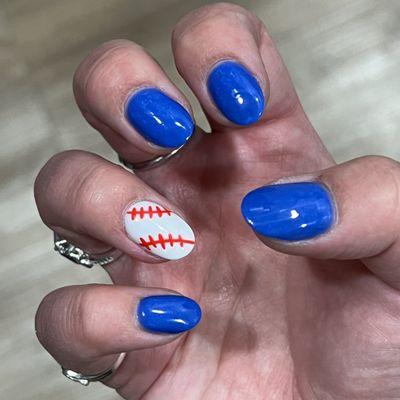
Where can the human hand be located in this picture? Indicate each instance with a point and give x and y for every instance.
(310, 311)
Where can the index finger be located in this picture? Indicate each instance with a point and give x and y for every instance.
(124, 93)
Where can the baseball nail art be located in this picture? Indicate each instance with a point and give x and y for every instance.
(158, 230)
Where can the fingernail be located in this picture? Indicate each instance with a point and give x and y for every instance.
(291, 211)
(168, 313)
(158, 230)
(236, 93)
(159, 119)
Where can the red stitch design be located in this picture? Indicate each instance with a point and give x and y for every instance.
(150, 211)
(163, 241)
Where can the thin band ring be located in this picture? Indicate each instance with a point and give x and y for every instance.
(157, 161)
(86, 379)
(148, 164)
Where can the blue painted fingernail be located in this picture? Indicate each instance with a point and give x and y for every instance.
(158, 118)
(168, 313)
(291, 211)
(236, 93)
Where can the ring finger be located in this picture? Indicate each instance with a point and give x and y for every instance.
(98, 205)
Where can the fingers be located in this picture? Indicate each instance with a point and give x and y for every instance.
(226, 56)
(85, 327)
(124, 93)
(98, 205)
(350, 211)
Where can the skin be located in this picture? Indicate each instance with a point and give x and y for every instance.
(311, 320)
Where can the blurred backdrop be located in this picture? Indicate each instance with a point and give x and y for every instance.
(343, 55)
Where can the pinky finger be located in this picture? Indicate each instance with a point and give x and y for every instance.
(85, 327)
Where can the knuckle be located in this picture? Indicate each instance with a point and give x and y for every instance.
(100, 67)
(69, 317)
(381, 164)
(54, 319)
(73, 179)
(92, 190)
(383, 173)
(380, 169)
(56, 163)
(206, 20)
(52, 176)
(74, 186)
(43, 319)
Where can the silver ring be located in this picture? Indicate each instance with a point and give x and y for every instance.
(149, 164)
(86, 379)
(157, 161)
(81, 257)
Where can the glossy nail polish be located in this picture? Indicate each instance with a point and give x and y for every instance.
(291, 211)
(158, 230)
(158, 118)
(168, 313)
(236, 93)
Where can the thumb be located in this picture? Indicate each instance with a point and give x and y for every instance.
(346, 212)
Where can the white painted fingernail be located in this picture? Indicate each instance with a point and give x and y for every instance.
(158, 230)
